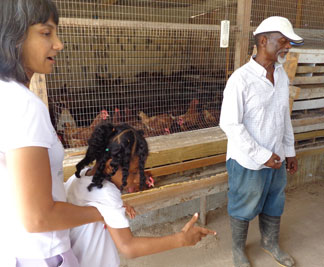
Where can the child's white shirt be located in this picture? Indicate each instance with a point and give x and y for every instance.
(92, 243)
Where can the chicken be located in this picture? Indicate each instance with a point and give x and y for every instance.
(78, 136)
(133, 120)
(211, 117)
(68, 136)
(190, 119)
(65, 117)
(158, 124)
(116, 117)
(103, 115)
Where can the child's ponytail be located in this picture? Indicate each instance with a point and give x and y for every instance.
(97, 146)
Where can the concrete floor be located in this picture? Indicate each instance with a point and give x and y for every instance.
(302, 235)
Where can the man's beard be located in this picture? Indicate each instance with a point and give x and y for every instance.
(281, 60)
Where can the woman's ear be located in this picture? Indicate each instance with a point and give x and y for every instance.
(108, 168)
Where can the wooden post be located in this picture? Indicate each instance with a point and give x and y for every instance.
(38, 86)
(203, 210)
(299, 13)
(242, 37)
(227, 63)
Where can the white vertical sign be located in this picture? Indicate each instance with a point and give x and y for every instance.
(224, 34)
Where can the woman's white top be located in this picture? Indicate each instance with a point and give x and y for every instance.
(25, 122)
(92, 243)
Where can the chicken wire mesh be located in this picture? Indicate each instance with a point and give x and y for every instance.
(156, 65)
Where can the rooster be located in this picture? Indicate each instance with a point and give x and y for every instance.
(158, 124)
(190, 119)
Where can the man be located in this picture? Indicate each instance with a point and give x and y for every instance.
(256, 119)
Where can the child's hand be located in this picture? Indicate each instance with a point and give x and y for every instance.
(193, 234)
(130, 211)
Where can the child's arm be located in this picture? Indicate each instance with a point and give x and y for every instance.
(132, 247)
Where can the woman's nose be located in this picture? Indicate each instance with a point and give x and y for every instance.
(58, 45)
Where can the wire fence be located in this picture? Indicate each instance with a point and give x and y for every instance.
(160, 66)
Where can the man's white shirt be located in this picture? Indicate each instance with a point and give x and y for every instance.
(255, 116)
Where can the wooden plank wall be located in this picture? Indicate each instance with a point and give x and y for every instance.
(308, 108)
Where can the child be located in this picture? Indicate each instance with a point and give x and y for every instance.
(119, 153)
(35, 230)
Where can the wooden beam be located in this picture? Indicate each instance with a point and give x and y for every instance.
(310, 69)
(308, 80)
(242, 36)
(179, 147)
(308, 128)
(309, 135)
(307, 121)
(38, 86)
(294, 92)
(172, 194)
(310, 151)
(78, 22)
(188, 165)
(311, 56)
(309, 104)
(311, 91)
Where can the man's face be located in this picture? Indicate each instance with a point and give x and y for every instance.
(277, 47)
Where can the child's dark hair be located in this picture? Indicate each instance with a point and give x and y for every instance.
(120, 143)
(16, 16)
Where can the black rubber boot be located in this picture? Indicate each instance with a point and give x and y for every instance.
(239, 234)
(269, 228)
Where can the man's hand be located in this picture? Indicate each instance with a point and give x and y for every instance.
(273, 162)
(291, 165)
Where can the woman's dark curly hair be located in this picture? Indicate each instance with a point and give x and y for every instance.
(120, 143)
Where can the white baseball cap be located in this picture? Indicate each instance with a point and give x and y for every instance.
(279, 24)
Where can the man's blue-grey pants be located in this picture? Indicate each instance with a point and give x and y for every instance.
(252, 192)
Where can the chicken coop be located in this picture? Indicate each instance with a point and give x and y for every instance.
(161, 66)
